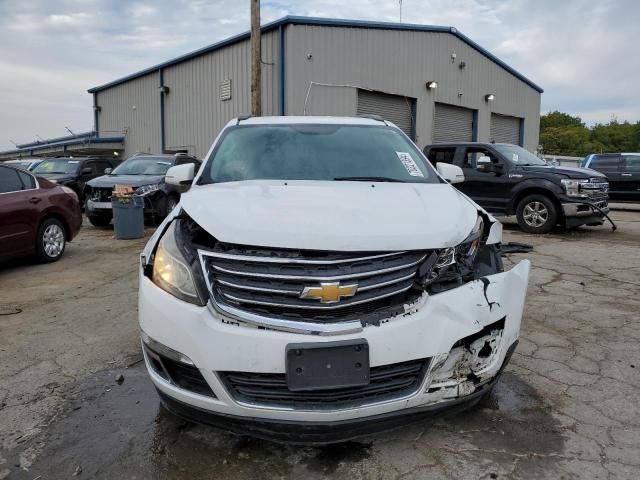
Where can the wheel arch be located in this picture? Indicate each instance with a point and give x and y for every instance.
(53, 214)
(547, 189)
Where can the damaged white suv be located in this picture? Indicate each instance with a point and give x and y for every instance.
(321, 280)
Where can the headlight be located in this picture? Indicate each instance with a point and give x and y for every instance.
(573, 187)
(466, 250)
(170, 270)
(146, 189)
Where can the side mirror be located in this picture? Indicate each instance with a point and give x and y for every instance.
(451, 173)
(107, 171)
(484, 164)
(86, 171)
(181, 174)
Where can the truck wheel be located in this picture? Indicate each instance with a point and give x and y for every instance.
(50, 241)
(99, 220)
(536, 214)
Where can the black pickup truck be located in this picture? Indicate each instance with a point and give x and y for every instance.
(506, 179)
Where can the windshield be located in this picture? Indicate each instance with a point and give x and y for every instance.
(316, 152)
(519, 155)
(143, 166)
(59, 165)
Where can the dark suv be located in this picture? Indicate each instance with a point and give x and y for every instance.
(145, 174)
(73, 172)
(623, 172)
(506, 179)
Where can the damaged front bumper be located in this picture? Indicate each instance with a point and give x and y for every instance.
(465, 336)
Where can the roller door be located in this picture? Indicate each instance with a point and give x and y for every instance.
(505, 129)
(395, 108)
(452, 124)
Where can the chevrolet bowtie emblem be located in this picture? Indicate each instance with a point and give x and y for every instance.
(329, 292)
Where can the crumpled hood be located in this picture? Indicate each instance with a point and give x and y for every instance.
(339, 216)
(131, 180)
(569, 172)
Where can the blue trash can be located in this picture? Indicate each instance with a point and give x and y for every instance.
(128, 217)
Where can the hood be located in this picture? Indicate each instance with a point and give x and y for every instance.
(58, 177)
(338, 216)
(131, 180)
(569, 172)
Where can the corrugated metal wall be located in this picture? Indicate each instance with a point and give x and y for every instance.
(194, 113)
(401, 62)
(132, 108)
(505, 129)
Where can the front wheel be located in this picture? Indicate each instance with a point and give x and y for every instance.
(172, 202)
(537, 214)
(51, 240)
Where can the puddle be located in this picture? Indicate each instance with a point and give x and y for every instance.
(120, 431)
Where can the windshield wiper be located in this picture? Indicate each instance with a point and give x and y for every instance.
(367, 179)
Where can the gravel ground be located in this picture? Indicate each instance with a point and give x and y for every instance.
(567, 406)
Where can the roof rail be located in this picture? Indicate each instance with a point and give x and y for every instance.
(243, 117)
(372, 117)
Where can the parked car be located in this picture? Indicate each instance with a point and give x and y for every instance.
(506, 179)
(36, 216)
(622, 171)
(25, 163)
(73, 172)
(144, 173)
(320, 280)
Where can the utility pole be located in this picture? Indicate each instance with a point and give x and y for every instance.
(400, 2)
(256, 60)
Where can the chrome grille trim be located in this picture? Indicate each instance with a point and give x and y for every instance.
(318, 278)
(258, 289)
(248, 258)
(317, 306)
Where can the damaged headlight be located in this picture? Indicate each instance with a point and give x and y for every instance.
(465, 251)
(171, 271)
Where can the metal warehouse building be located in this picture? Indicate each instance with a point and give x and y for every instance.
(325, 67)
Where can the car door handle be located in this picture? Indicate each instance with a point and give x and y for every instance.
(626, 174)
(35, 200)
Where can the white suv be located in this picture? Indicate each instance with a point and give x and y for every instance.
(321, 280)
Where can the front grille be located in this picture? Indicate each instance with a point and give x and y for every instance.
(597, 190)
(270, 282)
(101, 194)
(388, 382)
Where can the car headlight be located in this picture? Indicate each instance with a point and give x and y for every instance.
(147, 189)
(171, 271)
(574, 187)
(464, 251)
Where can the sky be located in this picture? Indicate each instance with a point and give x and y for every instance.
(582, 52)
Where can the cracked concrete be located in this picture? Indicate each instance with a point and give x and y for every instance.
(565, 408)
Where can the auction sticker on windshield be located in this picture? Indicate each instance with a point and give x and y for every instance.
(409, 164)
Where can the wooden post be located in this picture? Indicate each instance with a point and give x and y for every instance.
(256, 60)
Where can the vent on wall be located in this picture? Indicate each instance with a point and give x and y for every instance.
(225, 90)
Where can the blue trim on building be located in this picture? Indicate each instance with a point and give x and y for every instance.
(71, 140)
(521, 133)
(162, 131)
(95, 113)
(282, 69)
(57, 139)
(327, 22)
(474, 126)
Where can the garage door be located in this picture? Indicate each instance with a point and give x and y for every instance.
(395, 108)
(505, 129)
(452, 124)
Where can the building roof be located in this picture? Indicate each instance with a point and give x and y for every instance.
(82, 142)
(326, 22)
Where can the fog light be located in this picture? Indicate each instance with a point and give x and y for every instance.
(164, 350)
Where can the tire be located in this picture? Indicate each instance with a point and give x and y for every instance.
(99, 220)
(537, 214)
(51, 240)
(171, 202)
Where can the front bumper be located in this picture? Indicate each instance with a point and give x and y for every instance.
(430, 330)
(153, 206)
(577, 213)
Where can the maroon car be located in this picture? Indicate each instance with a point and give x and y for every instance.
(36, 216)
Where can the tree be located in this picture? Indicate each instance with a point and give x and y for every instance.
(559, 119)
